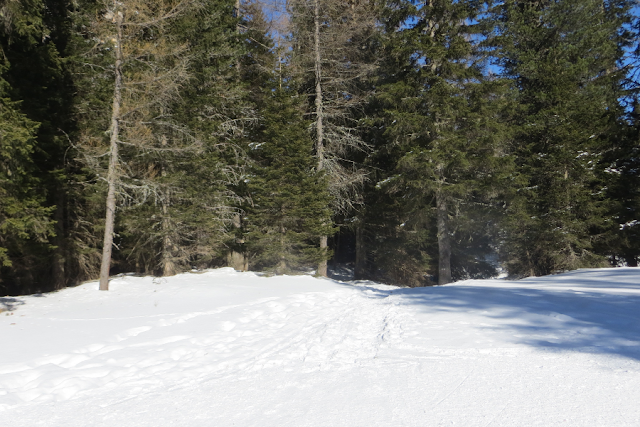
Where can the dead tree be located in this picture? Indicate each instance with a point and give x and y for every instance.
(330, 55)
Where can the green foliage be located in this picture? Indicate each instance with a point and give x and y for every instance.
(290, 201)
(563, 57)
(33, 110)
(219, 154)
(217, 110)
(445, 119)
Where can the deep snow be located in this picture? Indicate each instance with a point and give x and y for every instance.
(222, 348)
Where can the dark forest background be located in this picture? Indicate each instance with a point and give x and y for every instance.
(411, 142)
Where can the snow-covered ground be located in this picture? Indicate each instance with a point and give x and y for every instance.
(222, 348)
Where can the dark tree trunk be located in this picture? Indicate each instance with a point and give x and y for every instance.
(360, 268)
(59, 254)
(237, 260)
(444, 240)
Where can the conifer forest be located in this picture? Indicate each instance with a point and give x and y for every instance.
(416, 142)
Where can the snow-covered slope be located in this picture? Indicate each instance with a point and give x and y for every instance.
(222, 348)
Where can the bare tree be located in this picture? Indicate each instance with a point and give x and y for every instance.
(148, 72)
(330, 52)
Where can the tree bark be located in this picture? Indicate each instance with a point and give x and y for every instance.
(237, 260)
(318, 72)
(59, 255)
(359, 271)
(112, 174)
(444, 240)
(168, 266)
(322, 265)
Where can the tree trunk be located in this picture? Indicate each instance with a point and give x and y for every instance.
(319, 105)
(112, 174)
(237, 260)
(59, 255)
(444, 240)
(359, 271)
(168, 266)
(322, 265)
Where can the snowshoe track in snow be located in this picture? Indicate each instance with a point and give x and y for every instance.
(309, 331)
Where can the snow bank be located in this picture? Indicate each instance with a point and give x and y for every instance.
(222, 348)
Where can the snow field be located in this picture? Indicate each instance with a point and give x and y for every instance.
(222, 348)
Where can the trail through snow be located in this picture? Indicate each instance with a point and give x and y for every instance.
(222, 348)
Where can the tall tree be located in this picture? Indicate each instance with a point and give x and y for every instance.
(444, 116)
(29, 96)
(198, 145)
(148, 68)
(564, 57)
(290, 202)
(331, 56)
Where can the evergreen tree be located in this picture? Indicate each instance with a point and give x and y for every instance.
(27, 86)
(442, 121)
(39, 76)
(144, 69)
(199, 158)
(622, 162)
(563, 56)
(290, 202)
(25, 221)
(331, 57)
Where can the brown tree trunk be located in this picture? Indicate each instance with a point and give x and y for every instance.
(237, 260)
(112, 174)
(168, 266)
(322, 265)
(59, 255)
(444, 240)
(359, 271)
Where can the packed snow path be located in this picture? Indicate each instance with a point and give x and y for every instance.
(222, 348)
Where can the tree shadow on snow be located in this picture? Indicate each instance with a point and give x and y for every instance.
(586, 311)
(10, 303)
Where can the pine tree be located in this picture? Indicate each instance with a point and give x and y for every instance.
(40, 78)
(563, 57)
(444, 118)
(199, 156)
(144, 69)
(290, 202)
(26, 225)
(622, 162)
(330, 53)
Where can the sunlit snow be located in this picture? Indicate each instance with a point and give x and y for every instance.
(221, 348)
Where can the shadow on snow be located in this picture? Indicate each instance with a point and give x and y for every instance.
(591, 311)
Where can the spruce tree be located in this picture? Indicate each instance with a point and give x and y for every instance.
(444, 119)
(622, 162)
(198, 156)
(563, 57)
(330, 56)
(289, 198)
(142, 69)
(26, 223)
